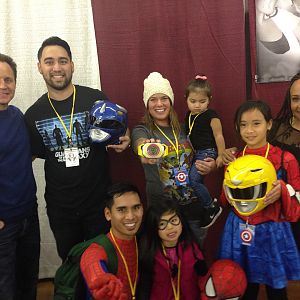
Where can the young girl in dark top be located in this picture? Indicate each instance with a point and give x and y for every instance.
(285, 132)
(204, 129)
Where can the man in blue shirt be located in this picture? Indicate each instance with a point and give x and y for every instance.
(19, 224)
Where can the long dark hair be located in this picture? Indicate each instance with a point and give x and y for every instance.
(150, 241)
(285, 114)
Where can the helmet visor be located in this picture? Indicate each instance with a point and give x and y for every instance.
(247, 200)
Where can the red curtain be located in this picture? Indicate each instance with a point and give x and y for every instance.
(179, 39)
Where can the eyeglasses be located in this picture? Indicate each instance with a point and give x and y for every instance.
(174, 220)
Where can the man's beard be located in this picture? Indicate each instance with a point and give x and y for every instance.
(59, 86)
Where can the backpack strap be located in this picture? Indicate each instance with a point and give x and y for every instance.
(105, 242)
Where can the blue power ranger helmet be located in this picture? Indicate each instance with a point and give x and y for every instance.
(108, 121)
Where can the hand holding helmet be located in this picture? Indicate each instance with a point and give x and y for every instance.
(108, 122)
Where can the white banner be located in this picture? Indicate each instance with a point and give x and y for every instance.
(277, 39)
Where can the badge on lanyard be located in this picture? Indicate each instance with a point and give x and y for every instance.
(72, 157)
(247, 233)
(181, 176)
(71, 153)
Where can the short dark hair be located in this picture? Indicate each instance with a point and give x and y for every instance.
(117, 190)
(54, 41)
(7, 59)
(249, 105)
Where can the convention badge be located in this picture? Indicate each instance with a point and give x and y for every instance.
(152, 150)
(2, 224)
(247, 233)
(181, 176)
(72, 157)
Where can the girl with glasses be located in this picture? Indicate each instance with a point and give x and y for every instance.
(171, 263)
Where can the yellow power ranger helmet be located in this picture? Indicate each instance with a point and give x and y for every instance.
(247, 181)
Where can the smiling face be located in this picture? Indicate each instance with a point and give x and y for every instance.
(171, 233)
(197, 102)
(295, 100)
(56, 67)
(7, 85)
(159, 106)
(125, 215)
(253, 128)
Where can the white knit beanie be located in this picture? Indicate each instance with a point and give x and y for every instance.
(155, 84)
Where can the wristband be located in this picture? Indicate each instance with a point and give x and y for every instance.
(152, 150)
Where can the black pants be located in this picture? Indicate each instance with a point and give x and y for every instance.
(19, 258)
(272, 294)
(74, 228)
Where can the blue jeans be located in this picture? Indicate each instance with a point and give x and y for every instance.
(197, 179)
(19, 258)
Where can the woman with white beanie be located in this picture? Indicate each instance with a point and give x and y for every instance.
(168, 173)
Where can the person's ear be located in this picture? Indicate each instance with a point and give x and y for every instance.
(269, 125)
(107, 213)
(39, 67)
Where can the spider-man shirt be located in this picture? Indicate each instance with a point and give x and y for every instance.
(265, 246)
(287, 208)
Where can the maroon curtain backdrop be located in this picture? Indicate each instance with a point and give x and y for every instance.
(272, 93)
(179, 39)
